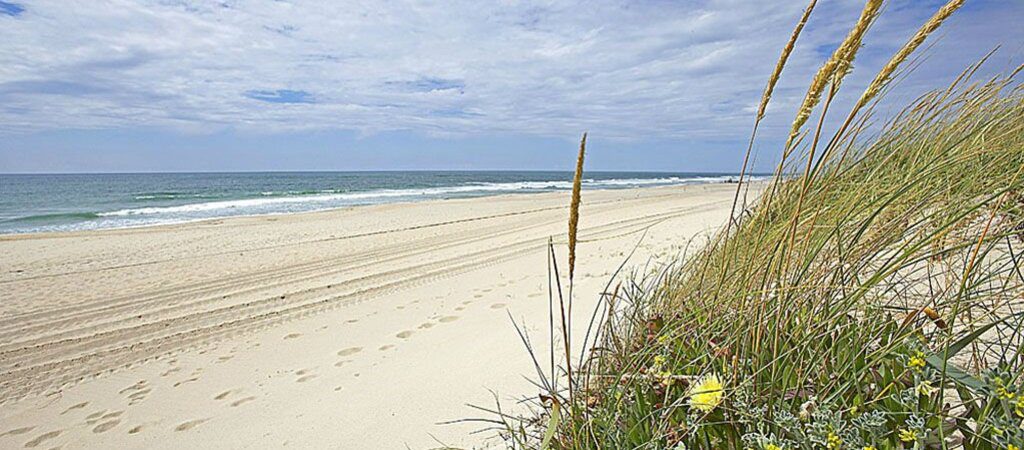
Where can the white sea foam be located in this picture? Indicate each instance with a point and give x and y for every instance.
(196, 206)
(270, 202)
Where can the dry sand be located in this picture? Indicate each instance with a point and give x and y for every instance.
(353, 328)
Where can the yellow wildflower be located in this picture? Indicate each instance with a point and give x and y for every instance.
(706, 393)
(662, 340)
(772, 447)
(1004, 394)
(1018, 407)
(917, 361)
(1012, 447)
(832, 442)
(659, 361)
(869, 447)
(908, 435)
(925, 388)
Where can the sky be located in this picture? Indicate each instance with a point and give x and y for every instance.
(236, 85)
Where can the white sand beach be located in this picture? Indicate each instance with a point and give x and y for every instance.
(355, 328)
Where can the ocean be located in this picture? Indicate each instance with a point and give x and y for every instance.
(71, 202)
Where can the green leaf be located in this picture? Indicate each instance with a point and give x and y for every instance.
(552, 425)
(952, 371)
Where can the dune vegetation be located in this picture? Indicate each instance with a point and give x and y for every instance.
(870, 297)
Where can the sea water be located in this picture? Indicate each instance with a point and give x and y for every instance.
(70, 202)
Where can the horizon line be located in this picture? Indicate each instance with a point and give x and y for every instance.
(178, 172)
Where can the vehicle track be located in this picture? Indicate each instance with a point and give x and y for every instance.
(48, 349)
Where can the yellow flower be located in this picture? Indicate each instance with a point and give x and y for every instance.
(1019, 406)
(1012, 447)
(772, 447)
(706, 393)
(869, 447)
(659, 361)
(832, 442)
(925, 388)
(908, 435)
(1004, 394)
(917, 361)
(662, 340)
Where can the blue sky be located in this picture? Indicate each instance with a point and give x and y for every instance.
(180, 85)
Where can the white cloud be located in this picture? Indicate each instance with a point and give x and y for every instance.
(631, 70)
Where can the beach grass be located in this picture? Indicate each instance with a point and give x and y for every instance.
(870, 298)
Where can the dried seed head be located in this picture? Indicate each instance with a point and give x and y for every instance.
(574, 206)
(837, 66)
(883, 77)
(774, 78)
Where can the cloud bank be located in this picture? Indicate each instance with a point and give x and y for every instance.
(632, 69)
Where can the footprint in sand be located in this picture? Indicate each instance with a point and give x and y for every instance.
(292, 336)
(497, 306)
(460, 308)
(342, 362)
(447, 319)
(42, 438)
(170, 371)
(106, 426)
(138, 396)
(135, 430)
(426, 325)
(74, 407)
(304, 376)
(225, 358)
(185, 426)
(17, 431)
(351, 320)
(189, 380)
(478, 296)
(138, 385)
(224, 394)
(100, 416)
(386, 347)
(349, 351)
(94, 417)
(242, 401)
(405, 334)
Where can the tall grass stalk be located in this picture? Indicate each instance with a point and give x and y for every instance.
(762, 107)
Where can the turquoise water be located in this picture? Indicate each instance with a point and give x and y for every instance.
(68, 202)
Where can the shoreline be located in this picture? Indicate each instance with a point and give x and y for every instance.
(315, 329)
(241, 217)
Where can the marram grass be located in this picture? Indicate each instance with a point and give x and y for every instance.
(873, 302)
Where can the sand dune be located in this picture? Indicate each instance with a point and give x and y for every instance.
(354, 328)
